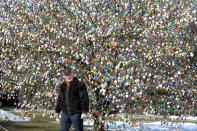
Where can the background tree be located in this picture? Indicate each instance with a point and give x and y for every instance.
(136, 56)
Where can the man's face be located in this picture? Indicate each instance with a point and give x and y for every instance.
(69, 77)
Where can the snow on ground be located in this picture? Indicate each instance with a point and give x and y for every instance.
(152, 126)
(122, 126)
(6, 116)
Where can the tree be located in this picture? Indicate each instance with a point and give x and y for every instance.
(133, 55)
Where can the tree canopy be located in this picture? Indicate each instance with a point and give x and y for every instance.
(134, 55)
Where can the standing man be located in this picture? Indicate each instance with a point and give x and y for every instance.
(73, 101)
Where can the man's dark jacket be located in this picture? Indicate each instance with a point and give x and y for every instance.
(73, 99)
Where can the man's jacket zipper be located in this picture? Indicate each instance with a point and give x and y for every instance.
(67, 100)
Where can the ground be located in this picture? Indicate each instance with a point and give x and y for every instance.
(30, 126)
(10, 121)
(38, 123)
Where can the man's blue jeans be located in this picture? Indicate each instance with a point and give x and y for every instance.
(67, 120)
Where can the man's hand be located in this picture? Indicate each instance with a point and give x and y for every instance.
(56, 115)
(83, 115)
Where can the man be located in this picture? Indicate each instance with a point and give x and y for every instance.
(73, 101)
